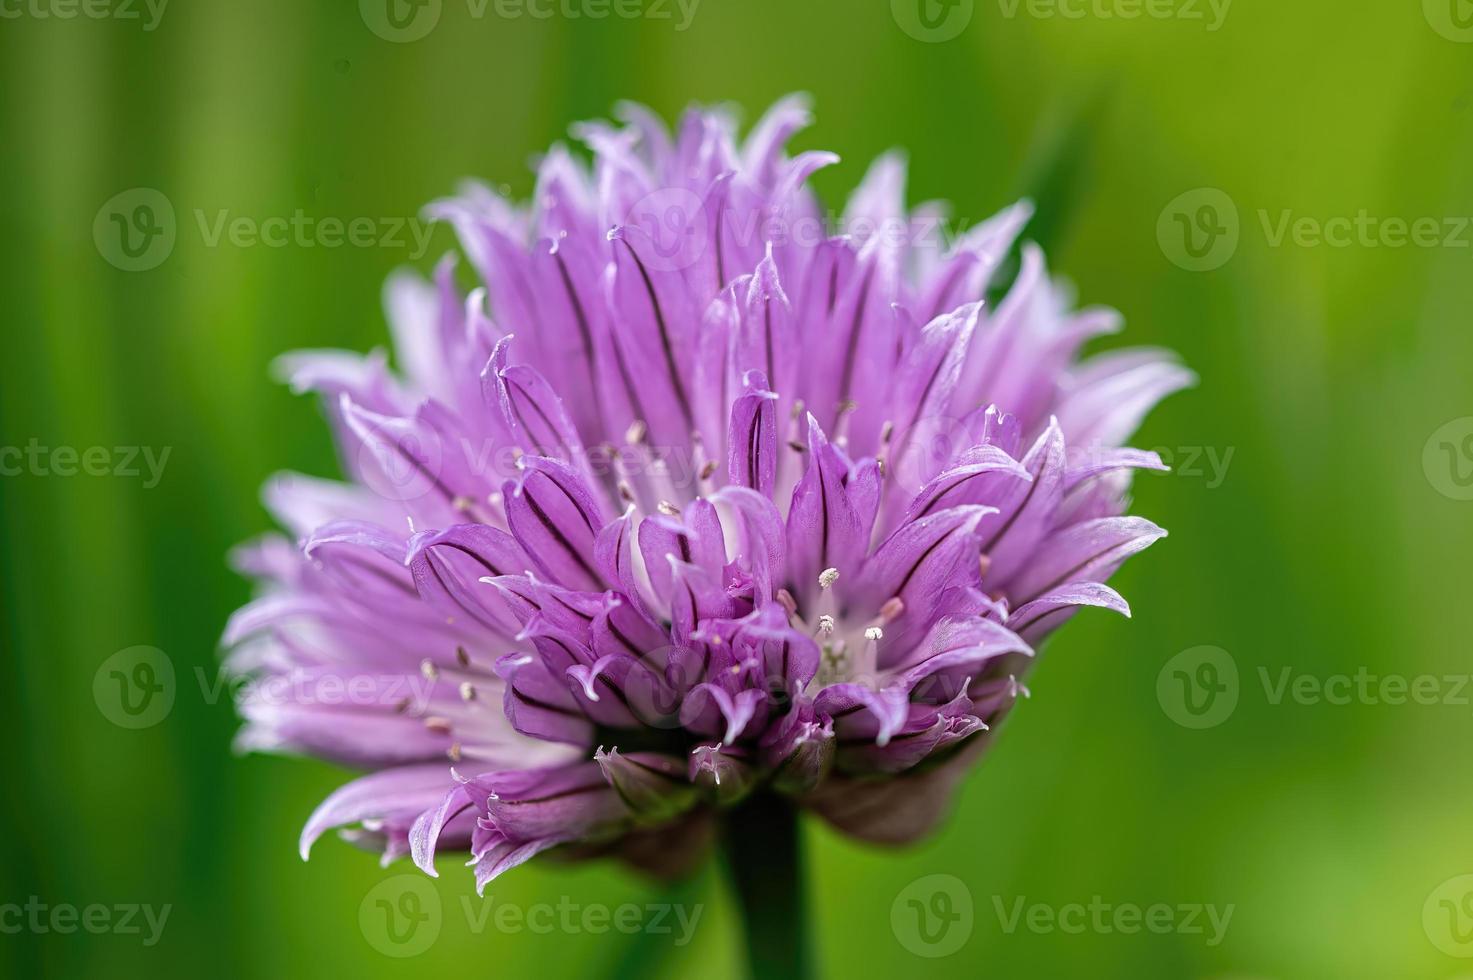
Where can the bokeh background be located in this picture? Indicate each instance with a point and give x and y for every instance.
(1330, 542)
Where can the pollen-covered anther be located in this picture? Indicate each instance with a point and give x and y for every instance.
(429, 670)
(828, 577)
(636, 432)
(874, 633)
(825, 625)
(467, 691)
(668, 509)
(453, 752)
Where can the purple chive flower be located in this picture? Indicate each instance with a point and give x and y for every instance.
(691, 499)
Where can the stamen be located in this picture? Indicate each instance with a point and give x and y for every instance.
(438, 725)
(984, 562)
(827, 577)
(467, 691)
(874, 633)
(892, 610)
(825, 625)
(668, 509)
(429, 670)
(636, 432)
(461, 657)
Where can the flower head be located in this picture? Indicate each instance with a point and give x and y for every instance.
(690, 499)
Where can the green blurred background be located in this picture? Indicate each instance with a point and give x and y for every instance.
(1327, 545)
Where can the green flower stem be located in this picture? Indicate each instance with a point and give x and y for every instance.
(764, 859)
